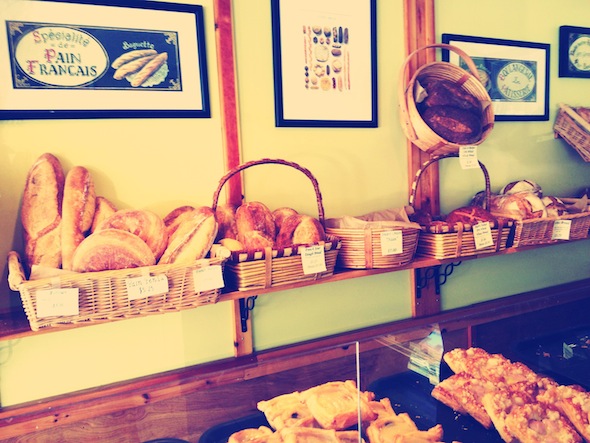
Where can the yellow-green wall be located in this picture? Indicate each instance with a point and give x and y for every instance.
(159, 164)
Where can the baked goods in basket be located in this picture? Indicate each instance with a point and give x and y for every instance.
(469, 215)
(255, 225)
(453, 124)
(518, 206)
(300, 229)
(104, 209)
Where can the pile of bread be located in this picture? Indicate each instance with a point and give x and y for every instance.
(66, 225)
(520, 404)
(329, 413)
(451, 111)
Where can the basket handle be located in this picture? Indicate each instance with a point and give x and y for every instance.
(306, 172)
(432, 160)
(403, 78)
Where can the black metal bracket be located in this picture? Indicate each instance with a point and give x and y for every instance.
(438, 274)
(246, 305)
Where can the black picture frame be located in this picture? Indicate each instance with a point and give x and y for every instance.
(325, 63)
(574, 51)
(69, 72)
(515, 73)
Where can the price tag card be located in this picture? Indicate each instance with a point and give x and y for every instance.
(561, 230)
(568, 351)
(468, 157)
(482, 235)
(391, 242)
(146, 286)
(313, 259)
(208, 278)
(57, 302)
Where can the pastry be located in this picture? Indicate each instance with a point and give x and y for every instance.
(577, 411)
(286, 411)
(536, 422)
(498, 405)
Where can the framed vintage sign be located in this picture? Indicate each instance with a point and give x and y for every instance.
(574, 51)
(515, 74)
(324, 56)
(101, 59)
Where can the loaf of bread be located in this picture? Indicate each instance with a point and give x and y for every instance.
(175, 217)
(79, 204)
(518, 206)
(225, 215)
(446, 93)
(300, 229)
(256, 240)
(192, 240)
(145, 224)
(254, 216)
(555, 206)
(470, 215)
(111, 249)
(280, 214)
(104, 209)
(41, 212)
(454, 124)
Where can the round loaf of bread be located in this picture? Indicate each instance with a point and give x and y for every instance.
(518, 206)
(280, 214)
(226, 221)
(145, 224)
(111, 249)
(79, 205)
(454, 124)
(469, 215)
(446, 93)
(300, 229)
(256, 240)
(254, 216)
(175, 218)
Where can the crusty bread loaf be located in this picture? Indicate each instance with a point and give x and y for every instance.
(41, 212)
(280, 214)
(256, 240)
(470, 215)
(453, 124)
(300, 229)
(104, 209)
(147, 225)
(518, 206)
(225, 215)
(447, 93)
(79, 204)
(111, 249)
(192, 240)
(254, 216)
(173, 219)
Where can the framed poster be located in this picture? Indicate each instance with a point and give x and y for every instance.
(515, 74)
(102, 59)
(324, 55)
(574, 51)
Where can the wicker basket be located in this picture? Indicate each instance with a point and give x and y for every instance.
(362, 247)
(539, 231)
(442, 242)
(275, 267)
(103, 296)
(574, 130)
(415, 129)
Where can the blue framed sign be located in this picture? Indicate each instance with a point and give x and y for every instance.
(515, 74)
(324, 58)
(99, 59)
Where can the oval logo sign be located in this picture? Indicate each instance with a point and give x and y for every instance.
(516, 81)
(61, 56)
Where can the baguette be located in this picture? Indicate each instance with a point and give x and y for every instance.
(192, 240)
(41, 212)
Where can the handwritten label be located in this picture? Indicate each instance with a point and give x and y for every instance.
(57, 302)
(391, 243)
(561, 230)
(313, 259)
(146, 286)
(208, 278)
(468, 157)
(482, 235)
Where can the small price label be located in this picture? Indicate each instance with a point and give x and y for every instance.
(146, 286)
(391, 243)
(313, 259)
(561, 230)
(208, 278)
(568, 351)
(57, 302)
(468, 157)
(482, 235)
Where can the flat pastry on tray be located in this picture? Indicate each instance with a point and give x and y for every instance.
(286, 411)
(577, 410)
(537, 422)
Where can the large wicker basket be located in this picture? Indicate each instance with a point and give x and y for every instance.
(362, 247)
(103, 296)
(415, 129)
(539, 231)
(443, 241)
(570, 126)
(268, 268)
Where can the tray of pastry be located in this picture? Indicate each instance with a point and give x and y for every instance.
(564, 356)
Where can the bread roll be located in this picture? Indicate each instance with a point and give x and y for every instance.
(226, 221)
(79, 204)
(470, 215)
(104, 209)
(147, 225)
(41, 212)
(280, 214)
(192, 240)
(254, 216)
(111, 249)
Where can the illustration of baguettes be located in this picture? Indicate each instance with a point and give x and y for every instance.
(146, 72)
(130, 56)
(132, 67)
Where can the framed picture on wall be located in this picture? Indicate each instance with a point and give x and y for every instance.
(101, 59)
(324, 61)
(574, 51)
(515, 74)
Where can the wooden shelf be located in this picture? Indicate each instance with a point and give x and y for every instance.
(15, 325)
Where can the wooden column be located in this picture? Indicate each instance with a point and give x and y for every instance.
(419, 20)
(231, 138)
